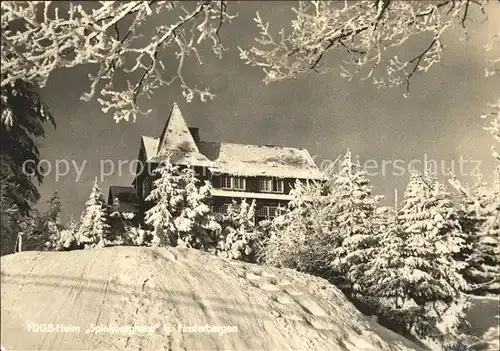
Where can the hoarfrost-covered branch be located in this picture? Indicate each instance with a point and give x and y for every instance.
(134, 39)
(368, 32)
(37, 39)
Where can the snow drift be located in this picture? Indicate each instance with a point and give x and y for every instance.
(169, 293)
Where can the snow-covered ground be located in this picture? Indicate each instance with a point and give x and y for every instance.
(170, 290)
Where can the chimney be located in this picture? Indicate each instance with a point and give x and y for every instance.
(195, 133)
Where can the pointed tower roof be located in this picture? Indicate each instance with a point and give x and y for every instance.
(176, 134)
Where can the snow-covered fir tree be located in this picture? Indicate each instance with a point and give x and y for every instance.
(236, 240)
(413, 275)
(479, 217)
(181, 213)
(167, 196)
(94, 229)
(355, 220)
(428, 210)
(384, 218)
(302, 236)
(195, 223)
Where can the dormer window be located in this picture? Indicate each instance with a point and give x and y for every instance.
(233, 183)
(272, 185)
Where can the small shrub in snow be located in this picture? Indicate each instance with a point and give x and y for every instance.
(140, 237)
(236, 240)
(119, 224)
(68, 239)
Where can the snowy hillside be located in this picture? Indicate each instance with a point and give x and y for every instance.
(166, 289)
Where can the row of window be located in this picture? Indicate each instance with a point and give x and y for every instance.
(233, 183)
(265, 185)
(236, 183)
(266, 212)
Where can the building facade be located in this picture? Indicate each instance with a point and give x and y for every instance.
(264, 173)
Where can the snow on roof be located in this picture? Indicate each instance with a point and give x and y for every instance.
(176, 134)
(150, 146)
(180, 157)
(248, 195)
(260, 160)
(241, 159)
(228, 158)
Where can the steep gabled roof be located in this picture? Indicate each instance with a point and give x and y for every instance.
(229, 158)
(244, 160)
(176, 134)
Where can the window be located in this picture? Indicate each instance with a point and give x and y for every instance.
(266, 185)
(272, 185)
(226, 183)
(237, 183)
(267, 212)
(278, 186)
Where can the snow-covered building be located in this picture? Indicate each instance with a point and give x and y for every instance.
(265, 173)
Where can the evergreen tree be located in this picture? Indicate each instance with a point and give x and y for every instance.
(19, 193)
(195, 223)
(302, 236)
(28, 115)
(167, 197)
(53, 223)
(428, 210)
(479, 218)
(11, 218)
(355, 221)
(413, 275)
(238, 232)
(94, 228)
(181, 214)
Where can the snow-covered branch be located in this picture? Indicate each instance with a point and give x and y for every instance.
(38, 39)
(367, 31)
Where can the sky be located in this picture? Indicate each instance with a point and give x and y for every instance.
(320, 112)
